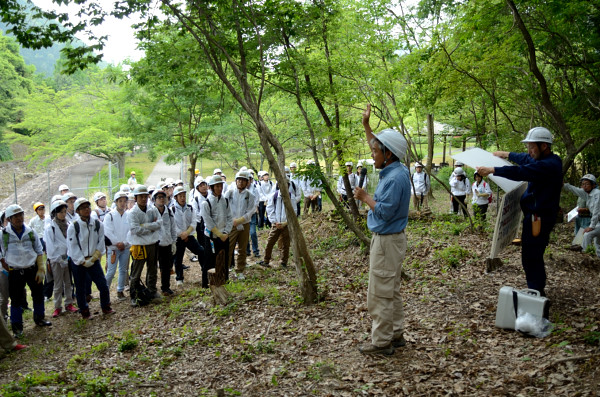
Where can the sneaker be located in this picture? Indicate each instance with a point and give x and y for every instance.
(194, 258)
(399, 341)
(41, 322)
(20, 347)
(157, 297)
(257, 255)
(134, 302)
(372, 349)
(108, 310)
(71, 309)
(263, 264)
(121, 296)
(179, 283)
(185, 267)
(168, 292)
(56, 312)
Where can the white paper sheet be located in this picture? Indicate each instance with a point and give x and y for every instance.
(478, 157)
(572, 214)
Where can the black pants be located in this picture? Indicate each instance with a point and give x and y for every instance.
(165, 264)
(262, 219)
(455, 205)
(209, 261)
(221, 246)
(532, 251)
(17, 280)
(191, 244)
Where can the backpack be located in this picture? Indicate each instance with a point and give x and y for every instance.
(6, 237)
(142, 295)
(77, 230)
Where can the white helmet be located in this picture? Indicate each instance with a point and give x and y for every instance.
(63, 187)
(130, 197)
(538, 134)
(55, 197)
(157, 192)
(214, 180)
(79, 202)
(350, 163)
(151, 188)
(178, 182)
(67, 196)
(169, 182)
(360, 164)
(242, 175)
(13, 209)
(458, 164)
(393, 141)
(119, 194)
(161, 185)
(459, 171)
(251, 172)
(244, 168)
(287, 169)
(178, 190)
(589, 177)
(125, 188)
(260, 173)
(293, 165)
(217, 171)
(310, 162)
(57, 204)
(98, 196)
(198, 181)
(140, 189)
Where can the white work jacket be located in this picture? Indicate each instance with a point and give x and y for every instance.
(99, 213)
(483, 187)
(341, 189)
(184, 217)
(20, 252)
(242, 204)
(116, 228)
(265, 189)
(168, 231)
(421, 182)
(56, 244)
(216, 212)
(275, 208)
(197, 206)
(87, 242)
(460, 188)
(144, 226)
(38, 224)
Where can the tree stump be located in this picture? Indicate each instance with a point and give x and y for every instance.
(217, 279)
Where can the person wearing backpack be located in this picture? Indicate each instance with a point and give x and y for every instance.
(279, 230)
(482, 196)
(144, 232)
(116, 228)
(243, 206)
(252, 188)
(265, 189)
(85, 247)
(421, 184)
(218, 221)
(23, 259)
(55, 235)
(460, 188)
(166, 243)
(70, 198)
(38, 223)
(185, 221)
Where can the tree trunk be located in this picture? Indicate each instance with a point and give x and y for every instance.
(193, 158)
(120, 159)
(430, 142)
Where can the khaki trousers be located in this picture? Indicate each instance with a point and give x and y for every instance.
(241, 237)
(7, 342)
(275, 235)
(384, 300)
(417, 201)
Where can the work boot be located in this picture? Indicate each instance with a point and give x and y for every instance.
(107, 310)
(372, 349)
(120, 296)
(399, 341)
(41, 321)
(85, 313)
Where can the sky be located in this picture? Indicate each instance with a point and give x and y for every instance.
(121, 43)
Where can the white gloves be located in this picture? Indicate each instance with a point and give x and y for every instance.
(173, 248)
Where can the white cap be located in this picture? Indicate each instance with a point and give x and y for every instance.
(79, 202)
(98, 196)
(459, 171)
(393, 141)
(293, 165)
(538, 134)
(350, 163)
(13, 209)
(63, 187)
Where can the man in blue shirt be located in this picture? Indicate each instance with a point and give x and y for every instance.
(387, 219)
(540, 202)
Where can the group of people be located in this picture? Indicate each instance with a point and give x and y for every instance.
(146, 227)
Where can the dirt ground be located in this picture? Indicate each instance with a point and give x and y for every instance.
(267, 343)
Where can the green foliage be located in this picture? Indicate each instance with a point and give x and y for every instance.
(592, 338)
(452, 256)
(128, 342)
(20, 387)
